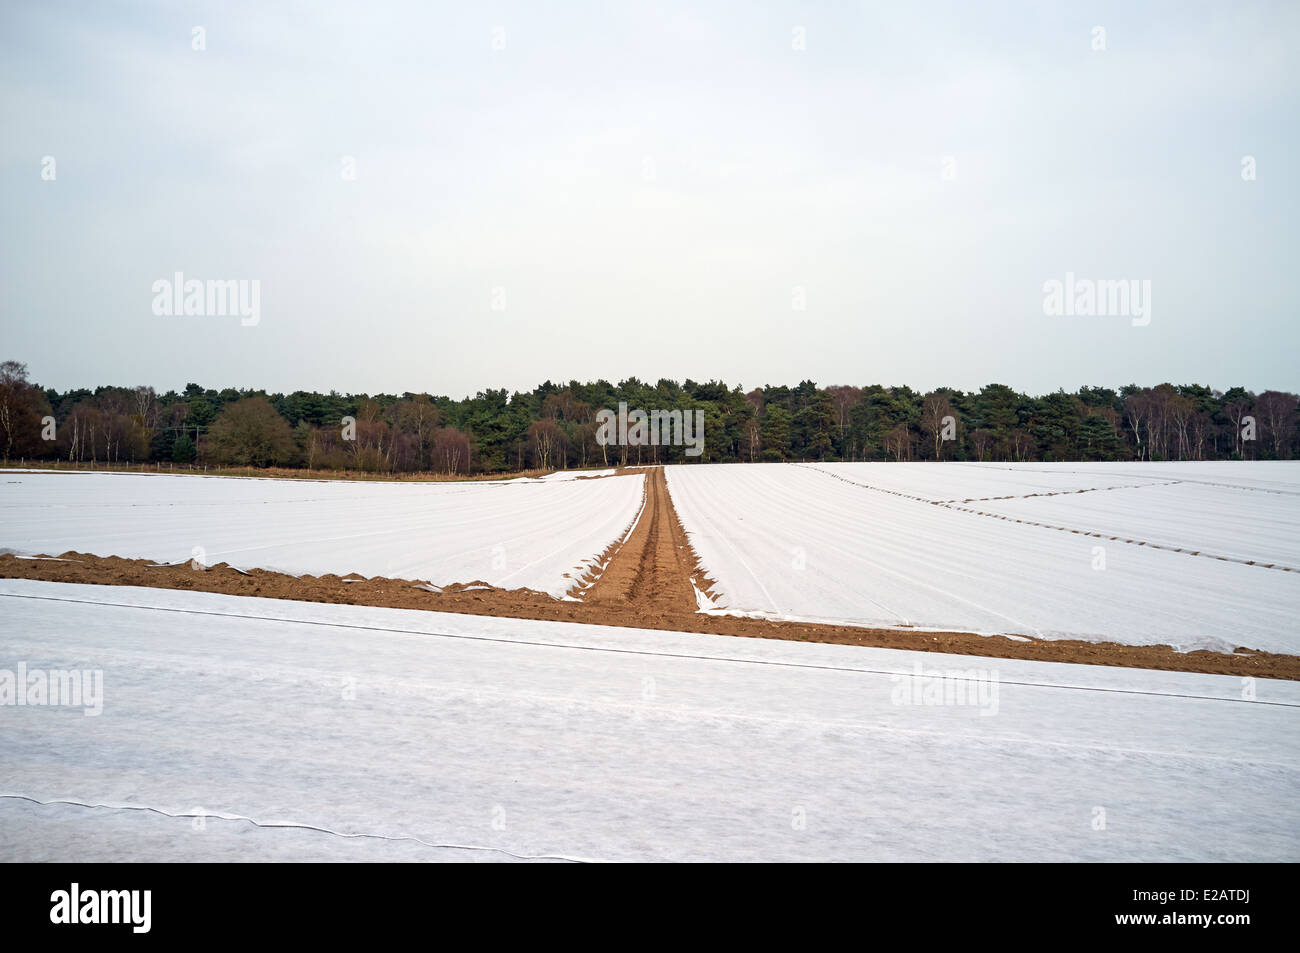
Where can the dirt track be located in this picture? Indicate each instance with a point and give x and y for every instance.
(652, 571)
(646, 584)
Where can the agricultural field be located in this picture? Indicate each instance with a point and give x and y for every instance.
(1198, 556)
(668, 432)
(534, 534)
(570, 687)
(429, 736)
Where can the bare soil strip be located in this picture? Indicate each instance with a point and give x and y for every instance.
(646, 584)
(652, 571)
(271, 473)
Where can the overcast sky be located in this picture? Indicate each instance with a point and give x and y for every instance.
(578, 190)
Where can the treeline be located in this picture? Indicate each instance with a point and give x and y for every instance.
(554, 425)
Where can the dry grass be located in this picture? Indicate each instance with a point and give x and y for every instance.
(279, 473)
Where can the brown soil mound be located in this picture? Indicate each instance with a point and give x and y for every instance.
(646, 584)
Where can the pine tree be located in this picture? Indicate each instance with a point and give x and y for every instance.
(183, 450)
